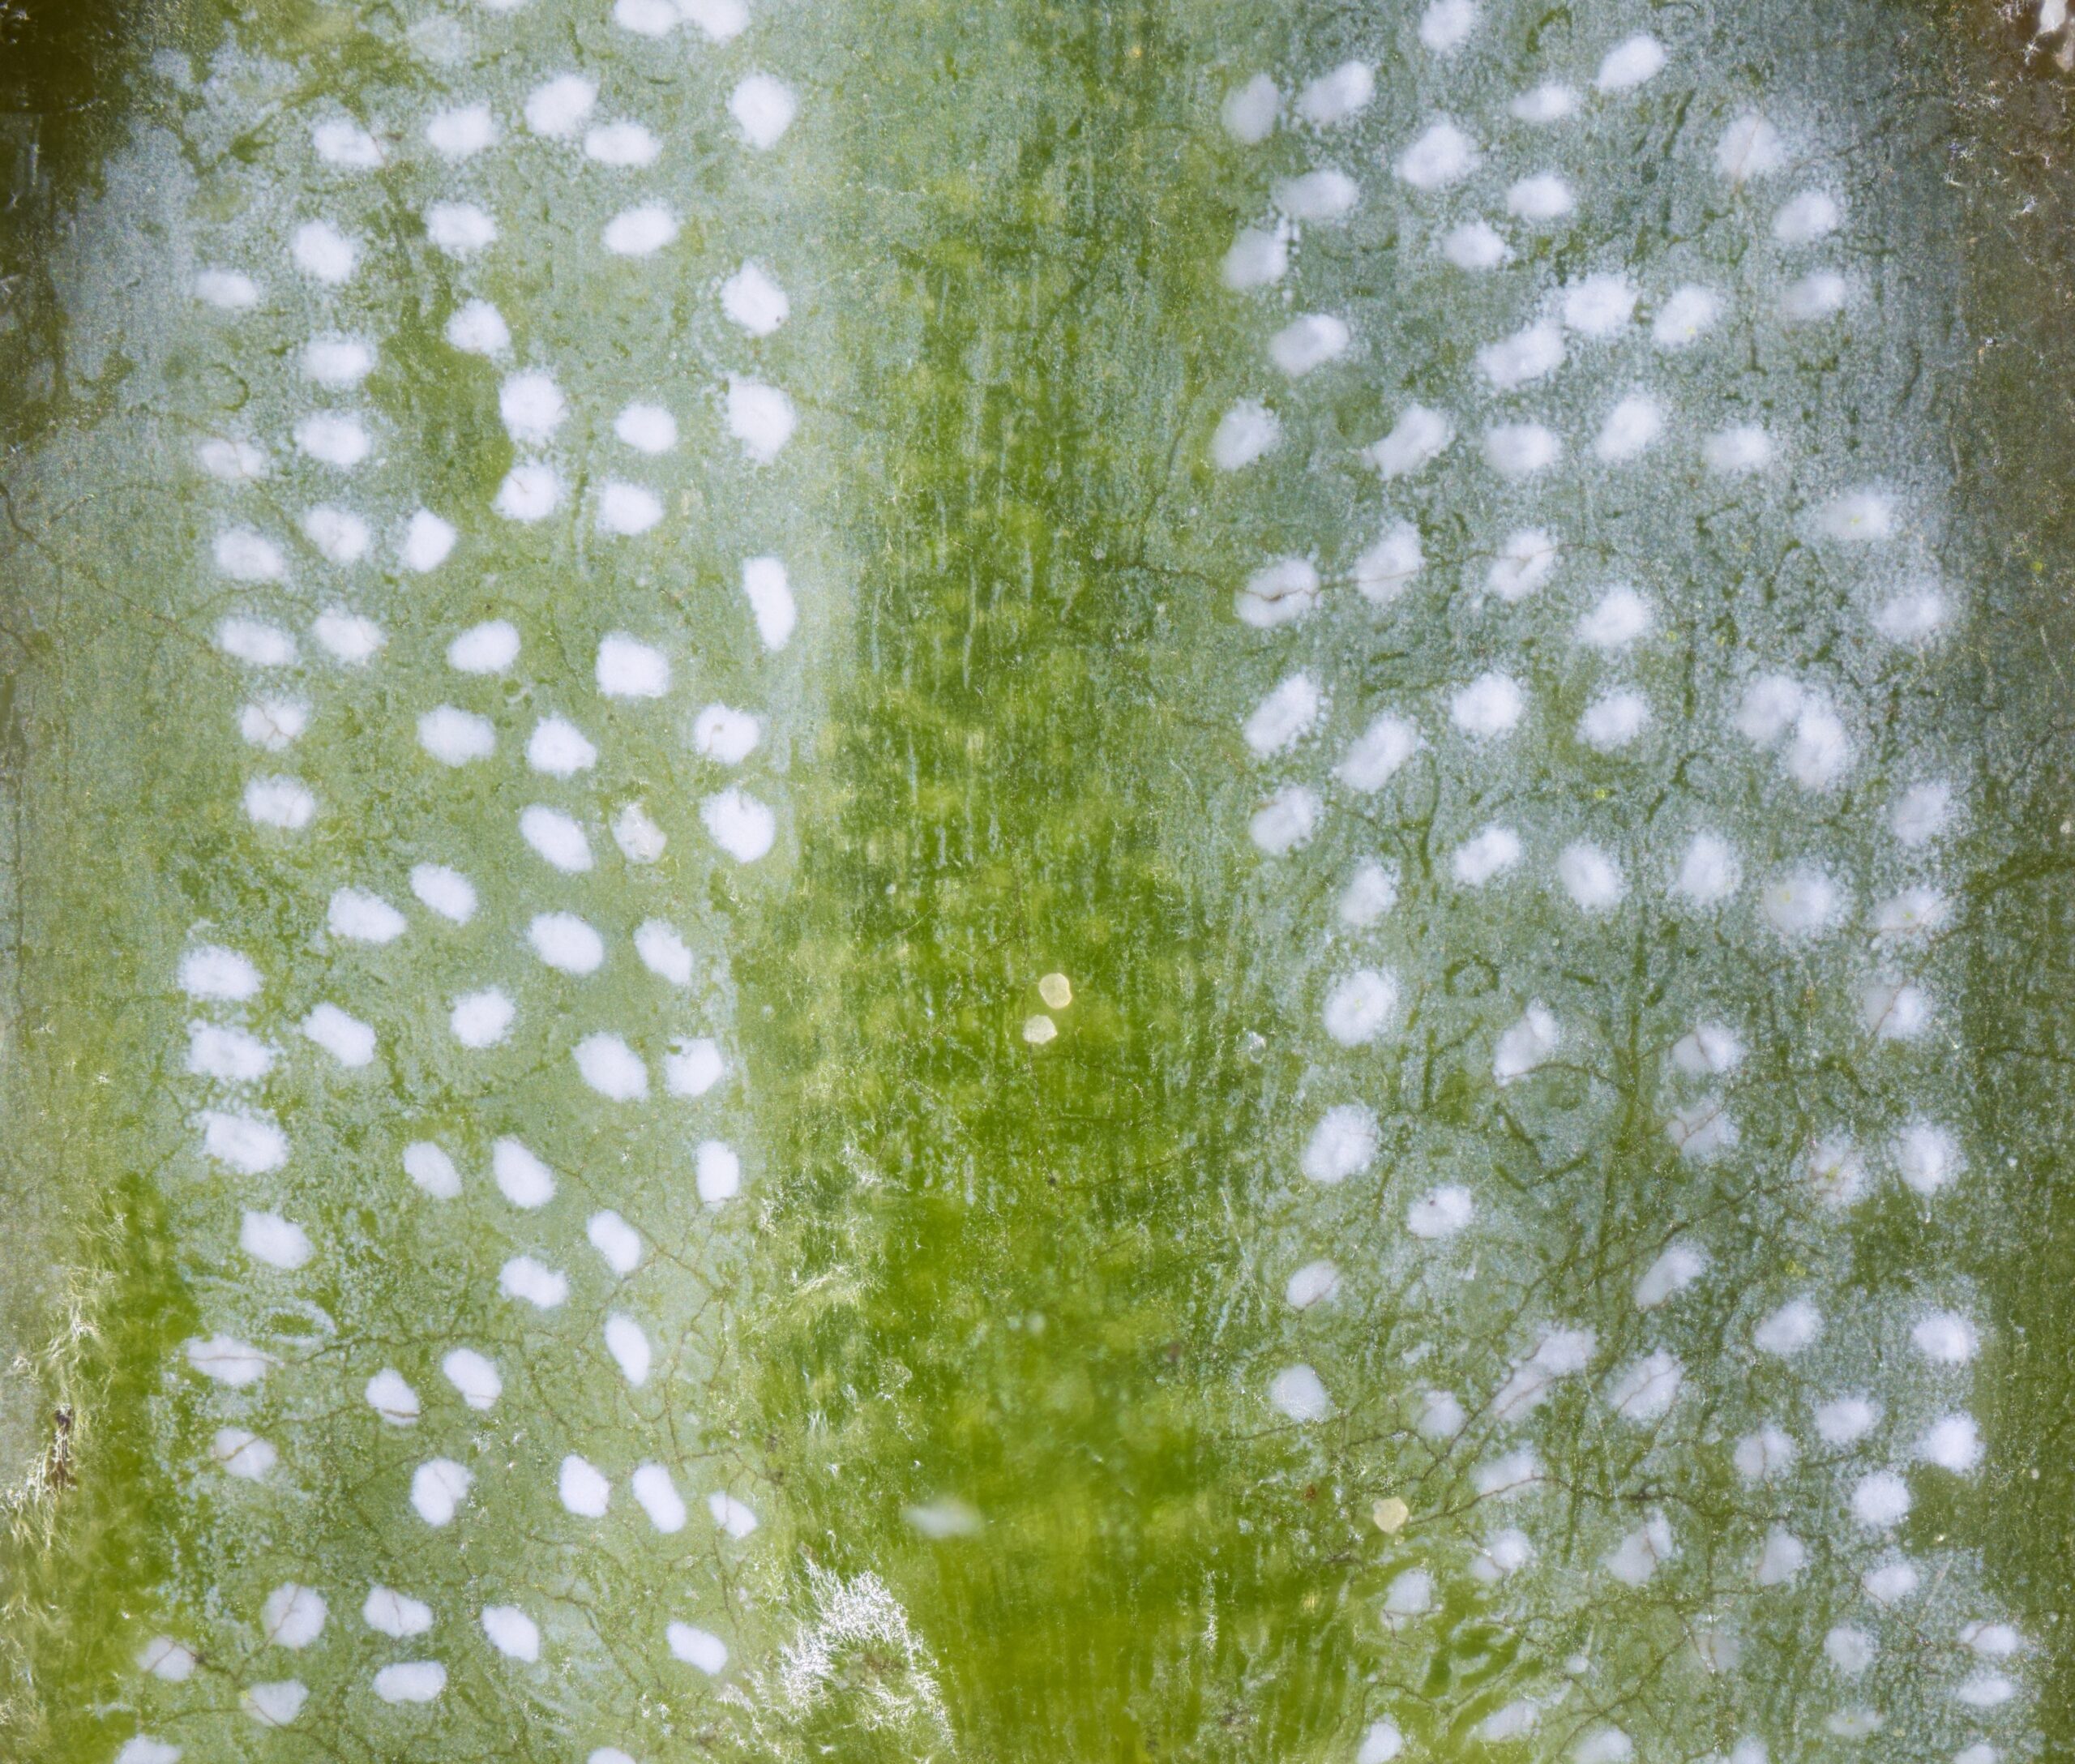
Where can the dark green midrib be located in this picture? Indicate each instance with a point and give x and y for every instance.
(1027, 580)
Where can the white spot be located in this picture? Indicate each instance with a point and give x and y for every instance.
(522, 1178)
(165, 1657)
(559, 748)
(1946, 1338)
(1630, 63)
(445, 891)
(1846, 1420)
(346, 1038)
(717, 1172)
(490, 648)
(473, 1376)
(1439, 155)
(337, 361)
(292, 1616)
(697, 1647)
(621, 145)
(1782, 1557)
(1806, 218)
(1675, 1270)
(1344, 1144)
(511, 1632)
(763, 109)
(646, 18)
(1632, 426)
(692, 1068)
(438, 1486)
(1786, 1331)
(1381, 1744)
(647, 428)
(1560, 1353)
(663, 952)
(1914, 616)
(1703, 1130)
(1540, 198)
(454, 737)
(583, 1488)
(1820, 750)
(628, 1347)
(1926, 1158)
(1370, 893)
(1857, 518)
(242, 1454)
(1749, 148)
(1308, 342)
(1591, 878)
(1604, 1746)
(1313, 1283)
(1548, 102)
(1409, 1594)
(1617, 619)
(1249, 110)
(524, 1279)
(274, 1705)
(1286, 821)
(1952, 1442)
(1849, 1649)
(410, 1681)
(1599, 306)
(626, 510)
(1277, 593)
(1611, 723)
(1688, 314)
(334, 440)
(247, 556)
(760, 417)
(659, 1498)
(740, 825)
(478, 328)
(1646, 1389)
(1297, 1392)
(235, 461)
(229, 1360)
(1244, 433)
(256, 643)
(482, 1019)
(273, 724)
(267, 1237)
(723, 735)
(1800, 903)
(1489, 706)
(1485, 856)
(1505, 1551)
(1881, 1501)
(1325, 195)
(1377, 753)
(1514, 1721)
(639, 232)
(1528, 1044)
(462, 132)
(1921, 813)
(555, 837)
(1707, 1050)
(1991, 1641)
(460, 229)
(753, 301)
(432, 1170)
(1636, 1558)
(731, 1515)
(1514, 1473)
(1442, 1213)
(640, 839)
(390, 1395)
(557, 108)
(1475, 246)
(1736, 451)
(1333, 98)
(616, 1241)
(1420, 437)
(1985, 1690)
(251, 1144)
(608, 1066)
(229, 1055)
(339, 535)
(566, 943)
(1525, 561)
(1445, 26)
(226, 290)
(1440, 1416)
(1524, 357)
(532, 405)
(770, 597)
(1816, 296)
(1357, 1007)
(1895, 1010)
(322, 253)
(1521, 449)
(1284, 718)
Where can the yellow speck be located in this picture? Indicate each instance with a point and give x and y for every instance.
(1390, 1514)
(1056, 990)
(1039, 1030)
